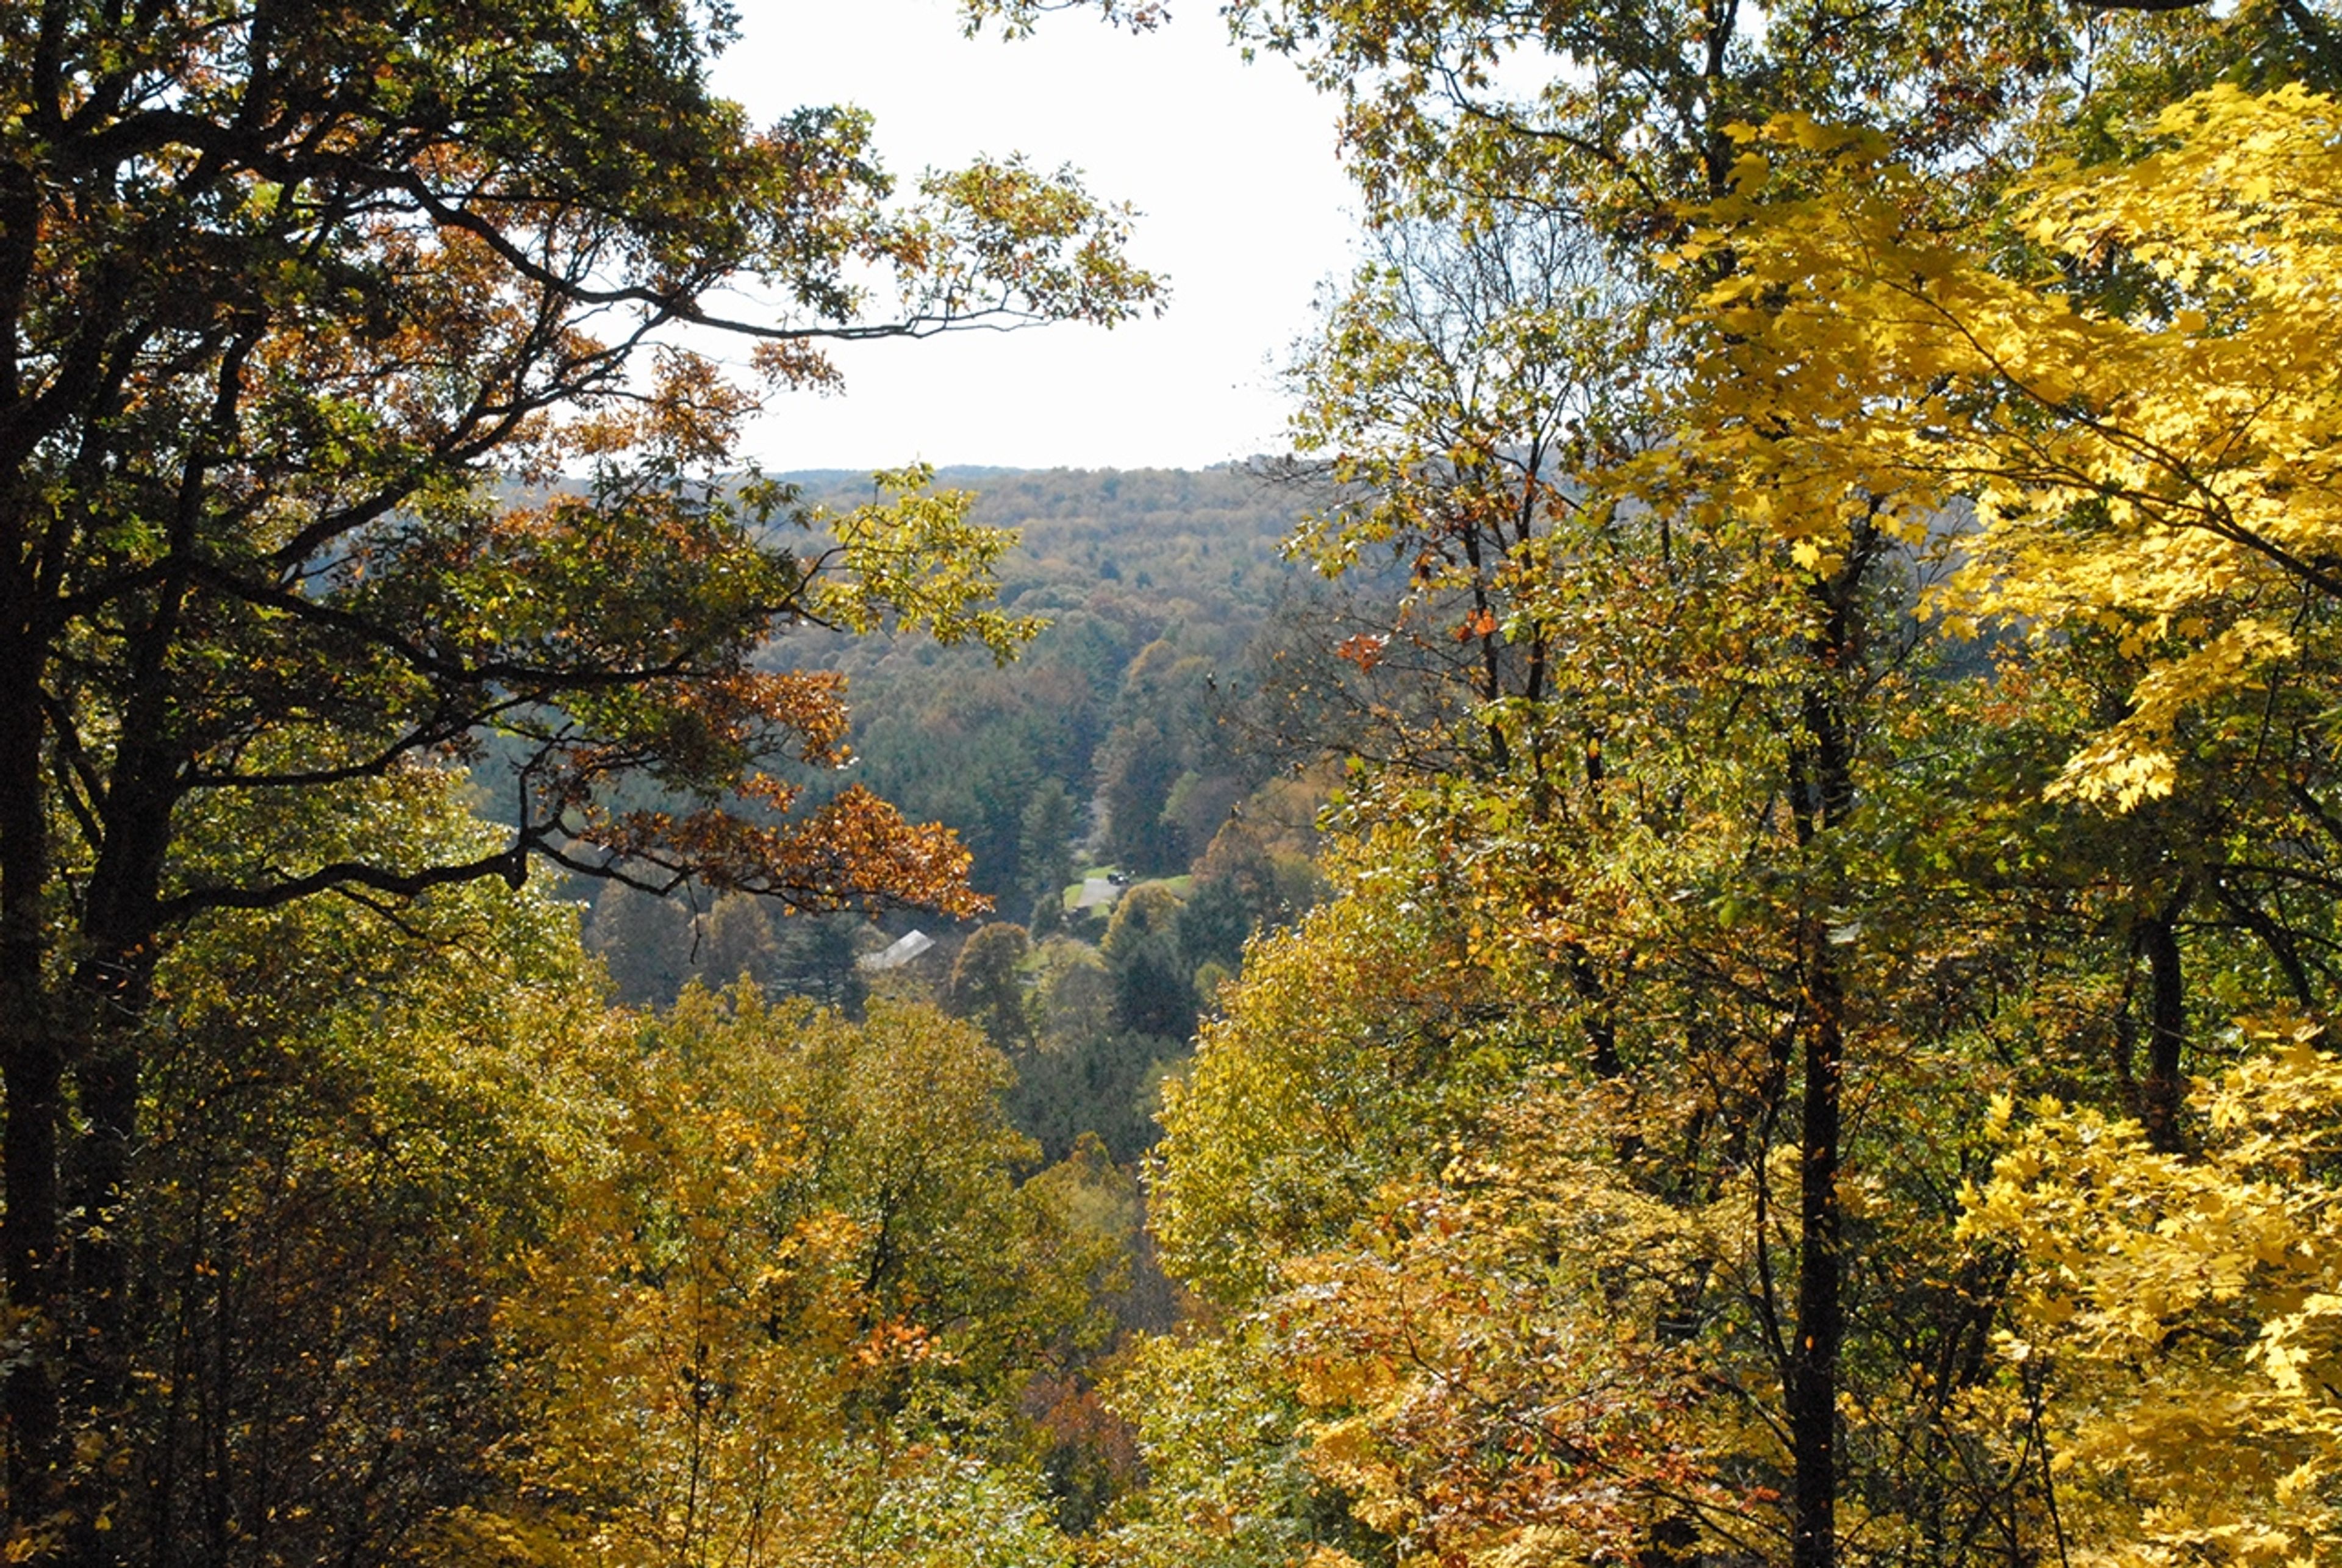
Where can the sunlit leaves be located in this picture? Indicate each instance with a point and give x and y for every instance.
(784, 1298)
(2132, 388)
(913, 560)
(1004, 238)
(2188, 1312)
(1333, 1072)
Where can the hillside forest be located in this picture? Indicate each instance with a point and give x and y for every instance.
(1699, 932)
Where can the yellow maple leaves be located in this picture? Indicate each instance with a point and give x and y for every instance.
(2189, 1309)
(2113, 412)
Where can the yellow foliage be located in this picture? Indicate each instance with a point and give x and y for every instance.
(1320, 1082)
(799, 1243)
(1486, 1368)
(2132, 388)
(2190, 1308)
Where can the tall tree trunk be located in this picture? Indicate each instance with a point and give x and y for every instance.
(1821, 770)
(32, 1074)
(1821, 1268)
(2163, 1089)
(112, 987)
(31, 1071)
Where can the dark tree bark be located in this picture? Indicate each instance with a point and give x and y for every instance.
(32, 1059)
(2163, 1089)
(1822, 793)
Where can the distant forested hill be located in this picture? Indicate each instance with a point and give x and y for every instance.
(1154, 582)
(1128, 736)
(1204, 543)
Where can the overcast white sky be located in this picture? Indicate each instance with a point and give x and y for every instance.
(1241, 202)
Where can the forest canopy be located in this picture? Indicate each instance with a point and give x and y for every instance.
(1700, 934)
(286, 290)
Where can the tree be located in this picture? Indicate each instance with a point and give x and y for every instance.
(1457, 395)
(786, 1308)
(1228, 1479)
(1775, 626)
(1149, 909)
(1211, 926)
(1337, 1068)
(1474, 396)
(282, 288)
(1592, 1391)
(2120, 393)
(346, 1157)
(985, 987)
(1075, 993)
(815, 960)
(1155, 991)
(645, 940)
(1044, 851)
(1162, 733)
(2176, 1316)
(1614, 113)
(2132, 406)
(735, 940)
(1137, 767)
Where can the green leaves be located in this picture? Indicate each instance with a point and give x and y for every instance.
(915, 561)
